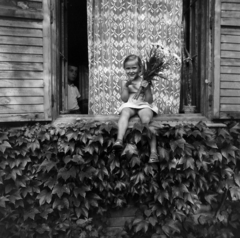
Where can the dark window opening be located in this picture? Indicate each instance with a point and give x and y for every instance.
(77, 47)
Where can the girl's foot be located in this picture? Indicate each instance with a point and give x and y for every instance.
(118, 145)
(153, 157)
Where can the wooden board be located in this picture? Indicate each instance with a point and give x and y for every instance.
(230, 77)
(230, 93)
(21, 108)
(11, 40)
(7, 31)
(229, 21)
(231, 31)
(5, 92)
(21, 75)
(230, 47)
(15, 49)
(230, 54)
(7, 66)
(5, 57)
(230, 85)
(24, 83)
(230, 62)
(229, 108)
(230, 39)
(230, 14)
(21, 100)
(230, 70)
(230, 100)
(21, 117)
(230, 6)
(21, 23)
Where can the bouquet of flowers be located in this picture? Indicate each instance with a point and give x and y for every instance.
(157, 61)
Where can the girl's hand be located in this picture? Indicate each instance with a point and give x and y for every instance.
(129, 82)
(144, 83)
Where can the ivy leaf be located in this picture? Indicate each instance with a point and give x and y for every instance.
(3, 136)
(211, 198)
(4, 146)
(237, 179)
(30, 214)
(135, 160)
(143, 225)
(153, 221)
(148, 213)
(47, 165)
(60, 190)
(211, 144)
(44, 196)
(139, 127)
(163, 153)
(34, 145)
(15, 197)
(99, 139)
(217, 157)
(81, 191)
(66, 174)
(3, 201)
(130, 150)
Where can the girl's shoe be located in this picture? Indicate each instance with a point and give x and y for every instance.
(153, 157)
(118, 145)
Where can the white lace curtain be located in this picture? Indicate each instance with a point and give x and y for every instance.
(117, 28)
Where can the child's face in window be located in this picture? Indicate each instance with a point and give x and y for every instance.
(132, 69)
(72, 73)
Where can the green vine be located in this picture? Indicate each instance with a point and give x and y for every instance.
(61, 182)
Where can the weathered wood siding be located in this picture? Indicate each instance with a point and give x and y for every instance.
(229, 92)
(25, 60)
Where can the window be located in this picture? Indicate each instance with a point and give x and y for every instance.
(74, 48)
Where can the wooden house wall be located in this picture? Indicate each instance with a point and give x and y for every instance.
(229, 92)
(24, 60)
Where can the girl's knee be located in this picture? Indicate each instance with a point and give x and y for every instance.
(146, 120)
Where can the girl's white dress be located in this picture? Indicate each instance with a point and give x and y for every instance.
(140, 103)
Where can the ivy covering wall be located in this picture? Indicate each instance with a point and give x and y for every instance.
(62, 182)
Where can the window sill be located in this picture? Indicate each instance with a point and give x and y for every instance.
(158, 121)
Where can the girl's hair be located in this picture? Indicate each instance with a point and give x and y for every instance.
(133, 57)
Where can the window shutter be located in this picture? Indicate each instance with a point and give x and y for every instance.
(227, 59)
(25, 61)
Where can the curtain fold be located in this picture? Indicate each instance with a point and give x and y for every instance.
(117, 28)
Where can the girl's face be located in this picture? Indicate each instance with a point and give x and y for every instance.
(132, 69)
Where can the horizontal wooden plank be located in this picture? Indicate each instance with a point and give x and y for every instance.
(230, 100)
(229, 115)
(230, 93)
(21, 100)
(20, 75)
(231, 85)
(230, 31)
(23, 83)
(10, 40)
(229, 108)
(21, 66)
(12, 31)
(230, 6)
(230, 62)
(230, 39)
(16, 49)
(19, 13)
(230, 70)
(230, 1)
(22, 117)
(229, 22)
(18, 92)
(21, 23)
(230, 14)
(230, 47)
(5, 57)
(230, 77)
(230, 54)
(130, 211)
(21, 108)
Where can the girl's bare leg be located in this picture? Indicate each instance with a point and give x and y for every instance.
(126, 114)
(146, 116)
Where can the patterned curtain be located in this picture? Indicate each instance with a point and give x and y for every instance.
(117, 28)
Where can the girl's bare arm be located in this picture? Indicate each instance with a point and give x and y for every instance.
(125, 91)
